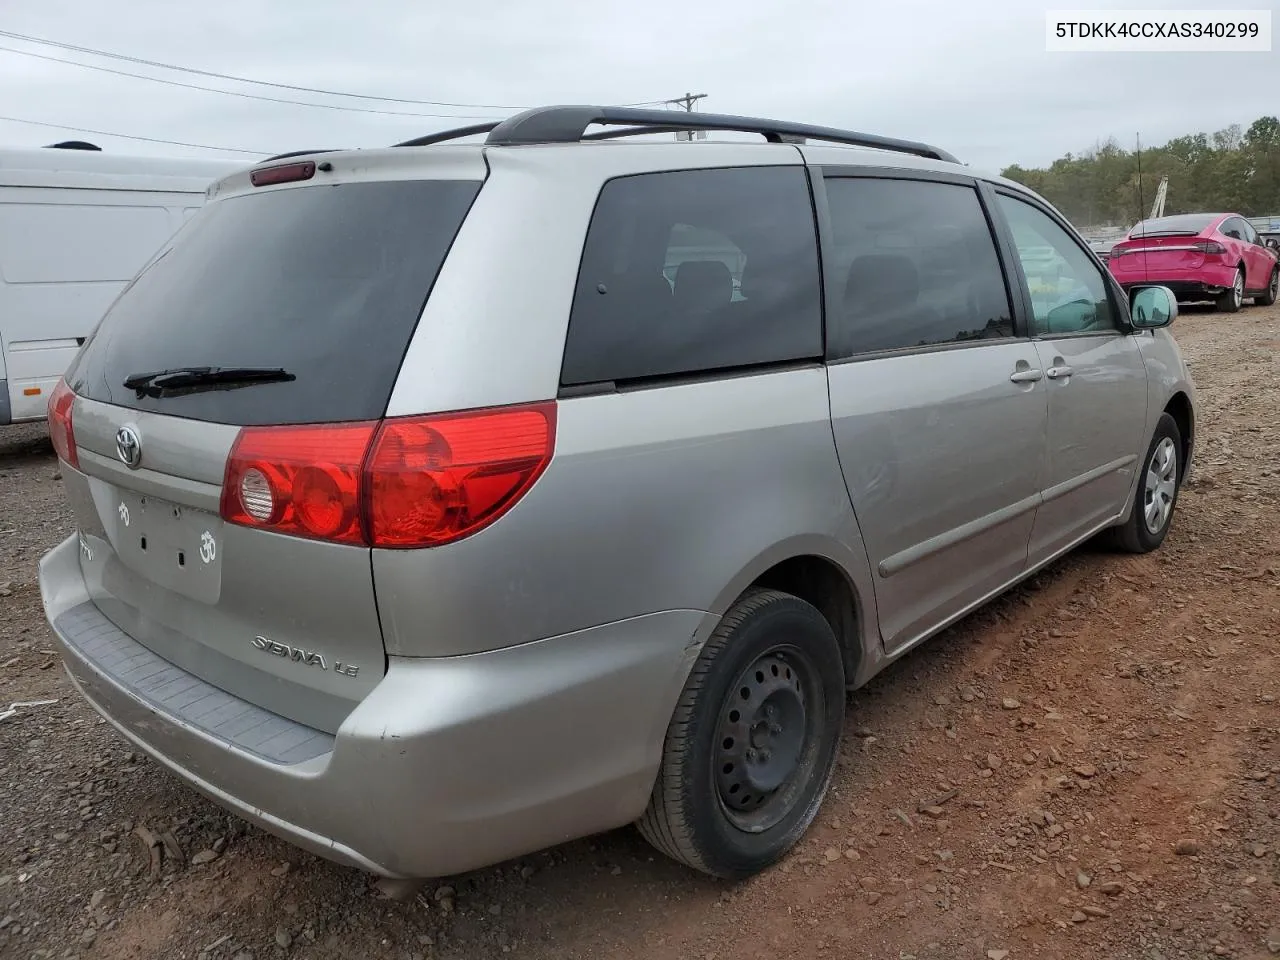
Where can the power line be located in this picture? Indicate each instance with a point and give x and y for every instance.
(237, 93)
(267, 83)
(129, 136)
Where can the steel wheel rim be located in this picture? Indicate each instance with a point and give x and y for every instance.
(1160, 486)
(1237, 292)
(767, 738)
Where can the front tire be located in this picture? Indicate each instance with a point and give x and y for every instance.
(1151, 515)
(1232, 300)
(752, 745)
(1272, 292)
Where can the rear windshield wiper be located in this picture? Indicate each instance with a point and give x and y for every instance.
(192, 379)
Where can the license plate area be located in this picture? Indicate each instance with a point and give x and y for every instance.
(169, 544)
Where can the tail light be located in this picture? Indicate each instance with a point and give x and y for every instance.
(1117, 252)
(404, 482)
(1209, 246)
(303, 481)
(61, 431)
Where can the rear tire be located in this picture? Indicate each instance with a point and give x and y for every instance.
(752, 745)
(1230, 301)
(1272, 293)
(1159, 480)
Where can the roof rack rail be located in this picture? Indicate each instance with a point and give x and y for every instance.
(444, 135)
(297, 153)
(568, 124)
(73, 145)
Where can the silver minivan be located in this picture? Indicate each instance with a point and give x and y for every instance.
(441, 503)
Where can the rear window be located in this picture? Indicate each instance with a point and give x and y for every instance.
(326, 282)
(695, 271)
(1183, 223)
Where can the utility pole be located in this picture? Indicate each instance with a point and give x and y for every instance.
(688, 101)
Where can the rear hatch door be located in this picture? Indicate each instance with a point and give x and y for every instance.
(322, 284)
(1162, 252)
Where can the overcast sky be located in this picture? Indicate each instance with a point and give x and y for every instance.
(969, 75)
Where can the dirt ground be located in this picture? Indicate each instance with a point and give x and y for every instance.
(1085, 769)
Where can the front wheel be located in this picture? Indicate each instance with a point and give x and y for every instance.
(751, 748)
(1273, 291)
(1233, 299)
(1157, 494)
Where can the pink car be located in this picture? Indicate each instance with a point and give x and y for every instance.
(1200, 256)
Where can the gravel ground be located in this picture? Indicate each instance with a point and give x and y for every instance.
(1086, 768)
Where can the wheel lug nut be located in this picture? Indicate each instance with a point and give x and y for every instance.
(751, 755)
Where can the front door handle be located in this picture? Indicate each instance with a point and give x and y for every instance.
(1059, 372)
(1026, 376)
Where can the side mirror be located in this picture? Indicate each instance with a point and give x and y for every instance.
(1272, 243)
(1151, 307)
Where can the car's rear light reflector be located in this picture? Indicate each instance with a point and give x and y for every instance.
(433, 479)
(303, 481)
(285, 173)
(1117, 251)
(1209, 247)
(61, 431)
(405, 482)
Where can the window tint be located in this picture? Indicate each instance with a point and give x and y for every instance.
(914, 265)
(1068, 293)
(326, 281)
(1249, 234)
(1183, 223)
(1231, 227)
(693, 271)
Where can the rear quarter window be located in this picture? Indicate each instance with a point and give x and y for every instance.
(326, 282)
(696, 271)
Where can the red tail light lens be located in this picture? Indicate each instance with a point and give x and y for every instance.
(1116, 252)
(1209, 246)
(407, 482)
(303, 481)
(61, 431)
(434, 479)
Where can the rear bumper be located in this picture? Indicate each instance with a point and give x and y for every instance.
(1202, 281)
(448, 765)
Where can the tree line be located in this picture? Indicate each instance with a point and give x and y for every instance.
(1229, 170)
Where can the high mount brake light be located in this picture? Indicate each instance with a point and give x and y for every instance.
(405, 482)
(61, 431)
(285, 173)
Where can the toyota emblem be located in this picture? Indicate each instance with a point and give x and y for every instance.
(129, 447)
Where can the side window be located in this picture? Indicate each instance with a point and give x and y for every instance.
(694, 271)
(688, 242)
(914, 265)
(1250, 234)
(1068, 292)
(1232, 227)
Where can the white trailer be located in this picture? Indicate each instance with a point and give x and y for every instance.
(76, 225)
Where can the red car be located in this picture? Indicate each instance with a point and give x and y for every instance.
(1200, 256)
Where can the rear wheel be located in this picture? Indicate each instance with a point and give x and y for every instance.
(1157, 494)
(751, 747)
(1273, 290)
(1232, 300)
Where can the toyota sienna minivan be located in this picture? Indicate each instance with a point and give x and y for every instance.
(441, 503)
